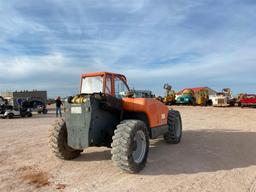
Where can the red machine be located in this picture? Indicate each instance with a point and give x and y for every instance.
(248, 100)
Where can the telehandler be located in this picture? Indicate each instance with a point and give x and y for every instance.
(106, 114)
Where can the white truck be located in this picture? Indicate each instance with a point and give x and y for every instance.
(223, 99)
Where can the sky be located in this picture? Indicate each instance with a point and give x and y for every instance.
(47, 44)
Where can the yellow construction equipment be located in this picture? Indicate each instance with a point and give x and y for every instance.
(169, 98)
(202, 97)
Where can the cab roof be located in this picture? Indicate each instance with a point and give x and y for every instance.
(101, 74)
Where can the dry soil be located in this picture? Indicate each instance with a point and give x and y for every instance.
(217, 153)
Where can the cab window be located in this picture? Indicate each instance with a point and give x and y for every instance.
(120, 87)
(92, 85)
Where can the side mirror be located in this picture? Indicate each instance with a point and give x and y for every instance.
(129, 93)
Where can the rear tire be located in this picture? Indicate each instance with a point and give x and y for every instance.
(10, 116)
(174, 134)
(130, 146)
(58, 142)
(28, 114)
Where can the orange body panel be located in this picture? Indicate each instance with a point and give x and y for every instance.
(155, 110)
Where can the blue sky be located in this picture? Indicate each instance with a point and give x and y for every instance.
(47, 44)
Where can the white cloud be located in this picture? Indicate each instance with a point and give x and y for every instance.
(129, 37)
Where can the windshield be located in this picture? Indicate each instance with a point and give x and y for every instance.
(92, 84)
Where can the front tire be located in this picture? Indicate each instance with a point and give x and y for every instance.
(58, 142)
(174, 134)
(130, 146)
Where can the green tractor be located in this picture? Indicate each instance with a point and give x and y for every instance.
(187, 98)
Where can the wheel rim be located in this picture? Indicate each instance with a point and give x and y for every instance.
(140, 147)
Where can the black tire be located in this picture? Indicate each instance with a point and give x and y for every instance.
(125, 151)
(28, 114)
(45, 111)
(193, 102)
(10, 116)
(58, 142)
(171, 103)
(173, 136)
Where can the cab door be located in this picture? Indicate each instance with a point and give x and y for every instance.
(120, 87)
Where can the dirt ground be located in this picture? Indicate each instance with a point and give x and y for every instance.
(217, 153)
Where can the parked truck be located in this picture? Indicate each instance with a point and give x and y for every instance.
(248, 100)
(187, 98)
(224, 98)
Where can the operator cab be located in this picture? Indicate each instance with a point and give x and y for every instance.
(104, 83)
